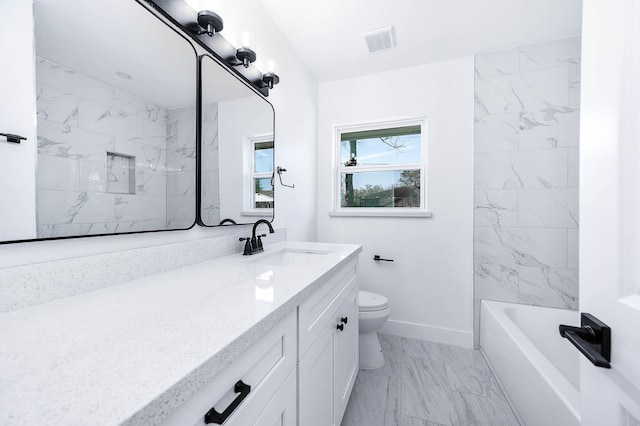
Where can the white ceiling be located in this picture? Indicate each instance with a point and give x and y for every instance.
(327, 34)
(98, 38)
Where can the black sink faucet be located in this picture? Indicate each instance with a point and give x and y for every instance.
(256, 240)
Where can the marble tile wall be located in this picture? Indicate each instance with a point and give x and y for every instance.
(181, 167)
(79, 121)
(210, 166)
(527, 112)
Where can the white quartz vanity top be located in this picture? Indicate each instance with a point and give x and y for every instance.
(132, 353)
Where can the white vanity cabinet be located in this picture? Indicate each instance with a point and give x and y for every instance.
(322, 339)
(264, 340)
(328, 353)
(268, 367)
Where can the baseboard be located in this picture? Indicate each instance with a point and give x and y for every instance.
(429, 333)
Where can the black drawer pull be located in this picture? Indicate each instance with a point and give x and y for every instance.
(213, 416)
(340, 327)
(344, 319)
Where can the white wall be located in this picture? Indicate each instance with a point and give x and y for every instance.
(234, 133)
(295, 101)
(430, 282)
(18, 116)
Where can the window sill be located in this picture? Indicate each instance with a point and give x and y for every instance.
(257, 213)
(375, 213)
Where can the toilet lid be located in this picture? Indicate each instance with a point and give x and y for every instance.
(368, 301)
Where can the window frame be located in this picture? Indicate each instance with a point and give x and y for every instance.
(250, 174)
(339, 168)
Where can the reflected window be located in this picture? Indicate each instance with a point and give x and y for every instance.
(382, 166)
(262, 172)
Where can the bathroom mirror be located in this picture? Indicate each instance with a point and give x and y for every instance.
(236, 149)
(116, 120)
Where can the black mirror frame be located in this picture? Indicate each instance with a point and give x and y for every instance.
(199, 220)
(148, 6)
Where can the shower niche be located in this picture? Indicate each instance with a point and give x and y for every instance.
(121, 173)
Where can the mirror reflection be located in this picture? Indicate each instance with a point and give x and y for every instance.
(116, 120)
(237, 157)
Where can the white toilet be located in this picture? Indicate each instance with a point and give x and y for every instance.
(373, 312)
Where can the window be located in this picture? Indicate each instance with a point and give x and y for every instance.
(261, 173)
(381, 168)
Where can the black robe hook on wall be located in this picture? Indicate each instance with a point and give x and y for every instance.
(281, 170)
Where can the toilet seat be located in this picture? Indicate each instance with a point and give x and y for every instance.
(371, 302)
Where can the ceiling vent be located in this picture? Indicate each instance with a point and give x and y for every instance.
(380, 39)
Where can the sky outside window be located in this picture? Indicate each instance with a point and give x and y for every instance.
(382, 150)
(263, 157)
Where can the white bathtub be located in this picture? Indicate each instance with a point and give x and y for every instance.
(538, 369)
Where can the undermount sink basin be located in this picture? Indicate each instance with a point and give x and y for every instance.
(289, 256)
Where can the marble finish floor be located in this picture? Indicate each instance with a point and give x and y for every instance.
(427, 384)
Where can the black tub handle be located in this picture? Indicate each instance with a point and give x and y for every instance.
(592, 338)
(13, 138)
(213, 416)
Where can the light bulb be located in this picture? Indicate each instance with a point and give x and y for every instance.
(271, 66)
(247, 39)
(195, 4)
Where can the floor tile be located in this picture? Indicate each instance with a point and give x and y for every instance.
(423, 374)
(420, 349)
(413, 421)
(468, 372)
(392, 351)
(427, 384)
(434, 404)
(476, 410)
(368, 402)
(393, 412)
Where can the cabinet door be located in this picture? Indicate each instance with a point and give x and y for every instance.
(264, 367)
(346, 358)
(281, 411)
(315, 371)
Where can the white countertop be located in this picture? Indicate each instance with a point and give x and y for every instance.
(132, 353)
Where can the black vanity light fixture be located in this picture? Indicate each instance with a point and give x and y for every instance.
(270, 79)
(210, 22)
(246, 56)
